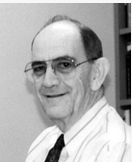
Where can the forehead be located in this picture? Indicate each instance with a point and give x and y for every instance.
(57, 40)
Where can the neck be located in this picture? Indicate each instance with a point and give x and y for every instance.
(67, 123)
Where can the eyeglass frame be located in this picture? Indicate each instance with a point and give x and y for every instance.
(72, 59)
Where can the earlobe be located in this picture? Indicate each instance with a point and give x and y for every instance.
(100, 71)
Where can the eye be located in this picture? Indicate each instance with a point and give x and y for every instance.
(65, 64)
(39, 70)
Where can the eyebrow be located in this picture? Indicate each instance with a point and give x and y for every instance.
(57, 58)
(35, 63)
(62, 57)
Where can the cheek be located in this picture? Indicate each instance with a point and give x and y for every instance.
(78, 92)
(81, 88)
(38, 88)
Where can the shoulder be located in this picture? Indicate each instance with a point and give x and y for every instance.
(117, 129)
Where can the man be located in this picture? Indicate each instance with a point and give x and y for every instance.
(68, 71)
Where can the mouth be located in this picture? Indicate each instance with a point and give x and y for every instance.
(55, 95)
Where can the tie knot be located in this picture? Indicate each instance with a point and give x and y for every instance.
(60, 142)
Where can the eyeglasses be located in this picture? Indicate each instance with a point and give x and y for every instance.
(63, 67)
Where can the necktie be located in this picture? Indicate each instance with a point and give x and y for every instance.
(54, 153)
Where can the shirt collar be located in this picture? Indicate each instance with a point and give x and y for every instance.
(76, 135)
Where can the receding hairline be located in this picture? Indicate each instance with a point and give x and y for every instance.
(90, 40)
(66, 24)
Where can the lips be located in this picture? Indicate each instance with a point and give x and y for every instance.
(54, 95)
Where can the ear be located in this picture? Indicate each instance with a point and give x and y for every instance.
(99, 73)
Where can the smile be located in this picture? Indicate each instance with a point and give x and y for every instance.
(54, 96)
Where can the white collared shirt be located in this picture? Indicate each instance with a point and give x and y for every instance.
(99, 136)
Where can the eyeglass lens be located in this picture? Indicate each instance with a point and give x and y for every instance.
(61, 66)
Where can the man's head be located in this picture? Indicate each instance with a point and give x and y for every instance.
(73, 70)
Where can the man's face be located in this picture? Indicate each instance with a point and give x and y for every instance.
(62, 98)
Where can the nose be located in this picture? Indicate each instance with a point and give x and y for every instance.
(50, 79)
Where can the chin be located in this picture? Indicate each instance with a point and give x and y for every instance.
(56, 109)
(56, 112)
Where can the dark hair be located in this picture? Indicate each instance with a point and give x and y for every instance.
(91, 42)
